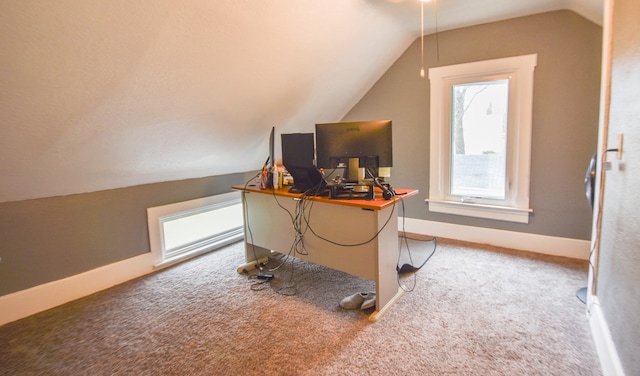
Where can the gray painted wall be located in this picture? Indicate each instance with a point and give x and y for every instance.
(565, 118)
(618, 277)
(47, 239)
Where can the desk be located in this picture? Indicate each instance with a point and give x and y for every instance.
(341, 221)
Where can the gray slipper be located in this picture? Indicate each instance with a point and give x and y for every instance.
(356, 300)
(369, 302)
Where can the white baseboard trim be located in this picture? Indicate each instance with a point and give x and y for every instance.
(607, 353)
(550, 245)
(27, 302)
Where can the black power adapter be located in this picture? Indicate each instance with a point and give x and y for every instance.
(263, 275)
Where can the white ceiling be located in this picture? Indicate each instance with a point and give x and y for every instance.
(106, 94)
(453, 14)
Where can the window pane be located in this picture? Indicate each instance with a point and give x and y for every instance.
(193, 228)
(479, 139)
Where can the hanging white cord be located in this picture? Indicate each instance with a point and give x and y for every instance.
(422, 39)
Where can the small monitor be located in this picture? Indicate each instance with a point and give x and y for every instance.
(298, 149)
(271, 146)
(266, 175)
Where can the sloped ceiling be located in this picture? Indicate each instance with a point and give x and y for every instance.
(105, 94)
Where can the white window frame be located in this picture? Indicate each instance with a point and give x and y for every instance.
(515, 207)
(199, 242)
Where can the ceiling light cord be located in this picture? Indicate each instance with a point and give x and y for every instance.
(435, 11)
(435, 5)
(422, 39)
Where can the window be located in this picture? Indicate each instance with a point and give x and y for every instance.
(185, 229)
(481, 138)
(201, 228)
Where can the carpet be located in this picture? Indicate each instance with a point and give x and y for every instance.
(415, 251)
(473, 310)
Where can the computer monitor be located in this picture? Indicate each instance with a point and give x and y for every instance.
(271, 146)
(298, 149)
(266, 175)
(368, 141)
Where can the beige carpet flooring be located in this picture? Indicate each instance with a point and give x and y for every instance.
(472, 311)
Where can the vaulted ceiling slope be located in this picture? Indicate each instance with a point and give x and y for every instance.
(107, 94)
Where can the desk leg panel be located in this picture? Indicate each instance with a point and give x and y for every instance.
(387, 288)
(267, 224)
(335, 231)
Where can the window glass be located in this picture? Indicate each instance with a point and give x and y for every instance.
(479, 112)
(480, 147)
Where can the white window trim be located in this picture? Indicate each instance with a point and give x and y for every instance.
(522, 69)
(156, 216)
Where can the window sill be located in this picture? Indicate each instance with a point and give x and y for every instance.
(500, 213)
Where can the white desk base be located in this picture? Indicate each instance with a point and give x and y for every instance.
(269, 227)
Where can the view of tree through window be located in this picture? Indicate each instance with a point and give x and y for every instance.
(479, 139)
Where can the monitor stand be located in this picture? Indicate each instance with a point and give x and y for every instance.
(354, 174)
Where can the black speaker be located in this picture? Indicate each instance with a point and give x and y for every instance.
(387, 191)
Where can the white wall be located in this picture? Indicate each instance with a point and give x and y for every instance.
(107, 94)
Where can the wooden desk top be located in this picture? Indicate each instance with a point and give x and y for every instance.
(378, 204)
